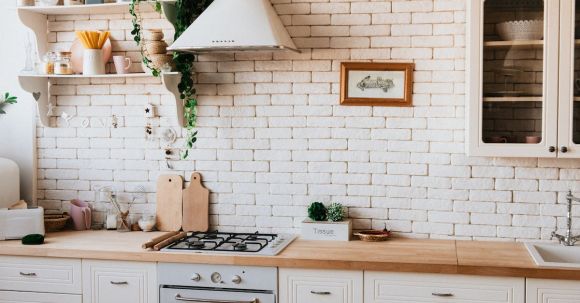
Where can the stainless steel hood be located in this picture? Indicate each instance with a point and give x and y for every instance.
(236, 25)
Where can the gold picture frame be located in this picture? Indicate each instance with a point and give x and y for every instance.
(376, 84)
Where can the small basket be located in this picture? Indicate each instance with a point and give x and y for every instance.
(154, 35)
(374, 235)
(54, 223)
(156, 47)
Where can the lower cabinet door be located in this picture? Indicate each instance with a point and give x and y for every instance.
(37, 297)
(552, 291)
(382, 287)
(320, 286)
(117, 281)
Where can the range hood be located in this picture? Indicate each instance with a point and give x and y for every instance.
(235, 25)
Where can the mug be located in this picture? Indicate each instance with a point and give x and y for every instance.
(93, 62)
(497, 140)
(80, 213)
(122, 64)
(533, 139)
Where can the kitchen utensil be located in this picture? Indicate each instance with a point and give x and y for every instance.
(152, 242)
(77, 51)
(81, 214)
(122, 64)
(9, 183)
(521, 30)
(169, 202)
(374, 235)
(170, 240)
(195, 205)
(53, 223)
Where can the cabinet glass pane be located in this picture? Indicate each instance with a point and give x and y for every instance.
(513, 63)
(576, 108)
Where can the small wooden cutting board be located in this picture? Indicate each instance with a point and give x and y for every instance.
(169, 202)
(195, 205)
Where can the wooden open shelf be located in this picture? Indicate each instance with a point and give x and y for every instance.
(131, 75)
(512, 99)
(515, 43)
(88, 9)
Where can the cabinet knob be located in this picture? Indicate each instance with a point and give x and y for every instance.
(236, 279)
(564, 149)
(552, 149)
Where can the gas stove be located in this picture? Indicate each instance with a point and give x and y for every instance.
(232, 243)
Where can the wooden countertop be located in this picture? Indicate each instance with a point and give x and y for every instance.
(400, 255)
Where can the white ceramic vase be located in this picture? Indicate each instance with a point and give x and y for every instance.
(93, 62)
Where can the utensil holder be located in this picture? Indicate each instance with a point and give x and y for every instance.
(93, 62)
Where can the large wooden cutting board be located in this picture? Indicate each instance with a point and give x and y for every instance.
(169, 202)
(195, 205)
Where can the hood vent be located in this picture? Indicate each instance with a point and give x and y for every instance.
(236, 25)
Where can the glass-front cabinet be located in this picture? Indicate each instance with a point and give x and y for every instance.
(522, 84)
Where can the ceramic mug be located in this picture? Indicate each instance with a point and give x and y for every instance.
(93, 62)
(122, 64)
(498, 139)
(533, 139)
(81, 214)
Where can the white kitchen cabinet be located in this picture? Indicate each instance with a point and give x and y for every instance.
(552, 291)
(40, 274)
(117, 281)
(36, 297)
(523, 92)
(383, 287)
(320, 286)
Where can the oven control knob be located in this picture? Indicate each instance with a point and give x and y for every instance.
(216, 277)
(236, 279)
(196, 277)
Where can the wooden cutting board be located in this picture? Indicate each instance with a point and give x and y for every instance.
(195, 205)
(169, 202)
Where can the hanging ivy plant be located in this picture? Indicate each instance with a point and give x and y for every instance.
(187, 12)
(137, 34)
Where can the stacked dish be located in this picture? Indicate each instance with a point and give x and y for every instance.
(521, 30)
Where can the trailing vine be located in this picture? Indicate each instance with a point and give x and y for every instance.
(136, 32)
(187, 12)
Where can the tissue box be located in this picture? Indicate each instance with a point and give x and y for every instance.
(17, 223)
(326, 230)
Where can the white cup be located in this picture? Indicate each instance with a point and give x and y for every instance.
(122, 64)
(93, 62)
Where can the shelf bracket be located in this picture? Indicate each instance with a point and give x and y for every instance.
(38, 88)
(39, 26)
(171, 82)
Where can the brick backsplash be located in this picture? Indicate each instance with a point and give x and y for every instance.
(272, 137)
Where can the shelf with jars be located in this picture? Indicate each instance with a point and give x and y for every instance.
(60, 65)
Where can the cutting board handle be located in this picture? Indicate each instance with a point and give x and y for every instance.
(196, 178)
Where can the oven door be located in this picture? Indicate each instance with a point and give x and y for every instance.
(205, 295)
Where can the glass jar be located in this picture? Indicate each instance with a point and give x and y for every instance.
(63, 64)
(48, 63)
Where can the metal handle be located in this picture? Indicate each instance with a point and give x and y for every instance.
(178, 297)
(552, 149)
(438, 294)
(324, 293)
(28, 274)
(564, 149)
(120, 283)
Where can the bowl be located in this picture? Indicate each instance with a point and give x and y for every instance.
(373, 235)
(521, 30)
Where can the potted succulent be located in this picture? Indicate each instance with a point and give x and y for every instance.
(326, 223)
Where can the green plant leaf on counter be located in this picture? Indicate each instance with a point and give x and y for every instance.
(6, 99)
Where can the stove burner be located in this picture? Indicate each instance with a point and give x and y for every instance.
(240, 247)
(196, 244)
(211, 236)
(252, 238)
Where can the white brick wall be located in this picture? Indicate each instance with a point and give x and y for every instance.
(272, 137)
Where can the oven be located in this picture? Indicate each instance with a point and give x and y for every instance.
(206, 283)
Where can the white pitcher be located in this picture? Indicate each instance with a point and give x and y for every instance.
(93, 62)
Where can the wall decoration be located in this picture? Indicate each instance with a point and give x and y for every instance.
(376, 84)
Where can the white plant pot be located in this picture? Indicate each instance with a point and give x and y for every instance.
(326, 230)
(93, 62)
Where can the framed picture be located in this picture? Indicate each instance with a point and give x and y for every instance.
(376, 84)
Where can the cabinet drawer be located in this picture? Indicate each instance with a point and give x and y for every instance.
(111, 281)
(320, 286)
(40, 274)
(405, 287)
(35, 297)
(552, 291)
